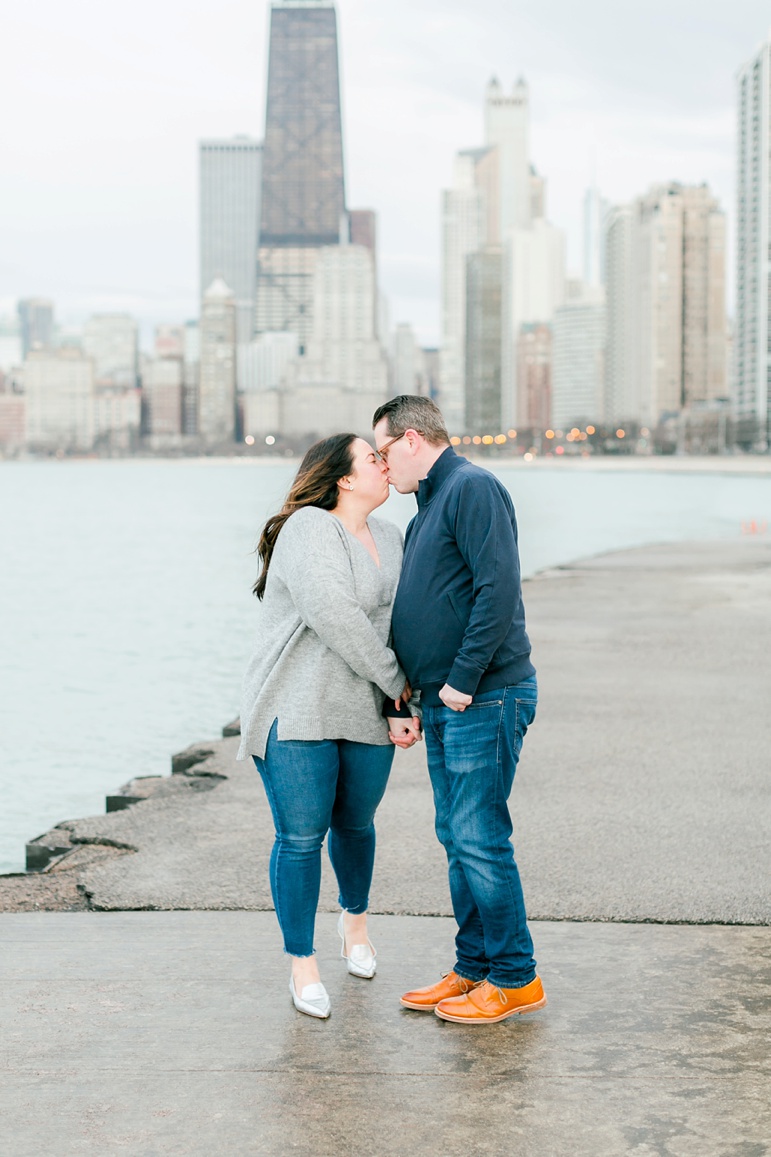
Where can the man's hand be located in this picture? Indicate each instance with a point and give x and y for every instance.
(453, 699)
(405, 732)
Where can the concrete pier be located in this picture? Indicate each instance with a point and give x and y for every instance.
(642, 814)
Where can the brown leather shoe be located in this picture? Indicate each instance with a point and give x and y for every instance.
(487, 1004)
(426, 999)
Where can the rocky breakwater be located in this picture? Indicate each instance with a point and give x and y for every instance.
(59, 863)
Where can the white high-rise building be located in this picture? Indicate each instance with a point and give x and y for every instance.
(192, 364)
(507, 119)
(666, 303)
(408, 361)
(578, 359)
(464, 231)
(61, 400)
(752, 333)
(343, 376)
(112, 340)
(217, 381)
(595, 212)
(533, 288)
(622, 402)
(265, 360)
(229, 215)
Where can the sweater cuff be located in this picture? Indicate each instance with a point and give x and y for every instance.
(464, 678)
(390, 710)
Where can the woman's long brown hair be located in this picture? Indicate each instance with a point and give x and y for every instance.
(315, 485)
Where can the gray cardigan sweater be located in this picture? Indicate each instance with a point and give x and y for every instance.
(321, 663)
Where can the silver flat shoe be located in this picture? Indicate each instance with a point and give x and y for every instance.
(313, 1000)
(362, 961)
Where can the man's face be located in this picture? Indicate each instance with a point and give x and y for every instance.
(400, 457)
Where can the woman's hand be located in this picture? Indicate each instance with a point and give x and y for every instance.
(405, 732)
(405, 696)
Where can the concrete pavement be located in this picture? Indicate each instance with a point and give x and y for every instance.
(173, 1033)
(643, 797)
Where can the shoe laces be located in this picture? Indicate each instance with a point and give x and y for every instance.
(465, 985)
(503, 998)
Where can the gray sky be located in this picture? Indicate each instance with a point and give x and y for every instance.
(103, 103)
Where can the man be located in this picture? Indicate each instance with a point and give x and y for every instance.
(459, 632)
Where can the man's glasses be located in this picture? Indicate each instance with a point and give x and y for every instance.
(381, 455)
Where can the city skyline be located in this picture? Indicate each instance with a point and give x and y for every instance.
(138, 217)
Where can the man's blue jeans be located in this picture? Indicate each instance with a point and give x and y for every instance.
(472, 758)
(314, 787)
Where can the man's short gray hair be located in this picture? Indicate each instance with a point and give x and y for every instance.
(413, 412)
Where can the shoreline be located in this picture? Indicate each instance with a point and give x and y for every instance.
(749, 465)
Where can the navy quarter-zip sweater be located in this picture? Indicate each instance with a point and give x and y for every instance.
(458, 616)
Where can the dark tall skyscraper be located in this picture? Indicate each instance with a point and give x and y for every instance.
(303, 185)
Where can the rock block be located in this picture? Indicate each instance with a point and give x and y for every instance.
(184, 760)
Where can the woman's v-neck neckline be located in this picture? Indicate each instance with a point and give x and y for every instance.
(379, 564)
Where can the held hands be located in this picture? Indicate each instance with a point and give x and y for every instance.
(453, 699)
(405, 732)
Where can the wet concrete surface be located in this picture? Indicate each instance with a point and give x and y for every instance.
(643, 797)
(174, 1033)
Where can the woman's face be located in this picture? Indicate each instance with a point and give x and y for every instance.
(368, 476)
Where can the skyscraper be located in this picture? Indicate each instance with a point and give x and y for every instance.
(533, 287)
(467, 224)
(622, 402)
(507, 130)
(229, 218)
(578, 371)
(343, 376)
(483, 341)
(666, 312)
(112, 340)
(752, 334)
(60, 395)
(303, 188)
(217, 382)
(595, 210)
(534, 376)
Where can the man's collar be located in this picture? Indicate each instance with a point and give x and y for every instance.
(441, 470)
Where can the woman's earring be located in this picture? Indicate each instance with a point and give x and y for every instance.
(350, 486)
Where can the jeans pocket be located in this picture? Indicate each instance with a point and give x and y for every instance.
(471, 737)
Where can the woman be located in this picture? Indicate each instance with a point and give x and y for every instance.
(311, 715)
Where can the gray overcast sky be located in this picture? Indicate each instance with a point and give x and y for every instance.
(103, 103)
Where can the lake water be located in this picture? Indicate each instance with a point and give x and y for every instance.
(126, 615)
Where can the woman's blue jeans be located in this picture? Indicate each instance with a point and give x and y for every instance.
(472, 758)
(314, 787)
